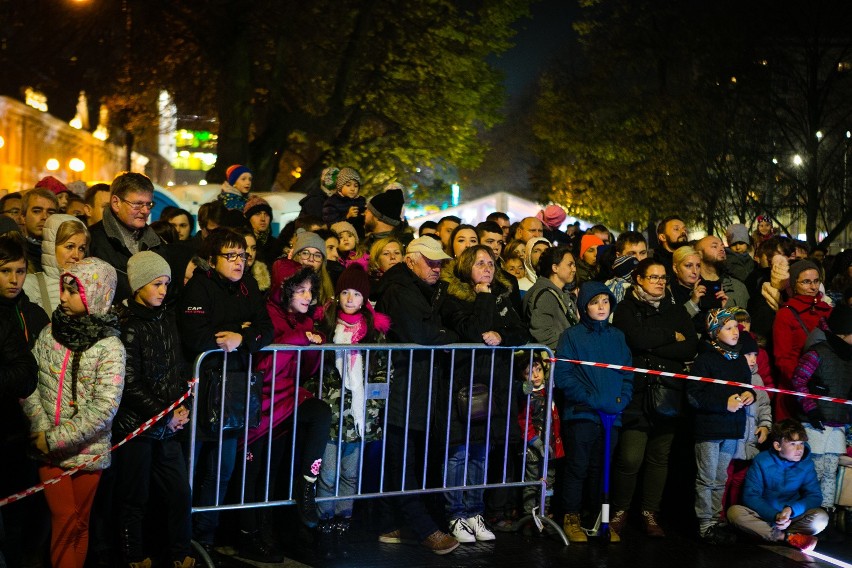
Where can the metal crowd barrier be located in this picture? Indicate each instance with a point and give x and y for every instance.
(502, 383)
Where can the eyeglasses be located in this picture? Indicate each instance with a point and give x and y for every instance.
(233, 256)
(809, 282)
(139, 205)
(308, 255)
(657, 278)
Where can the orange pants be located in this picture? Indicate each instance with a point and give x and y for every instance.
(70, 501)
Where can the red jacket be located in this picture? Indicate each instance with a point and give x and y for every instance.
(788, 340)
(534, 426)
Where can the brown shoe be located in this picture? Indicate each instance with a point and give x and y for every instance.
(440, 543)
(572, 528)
(616, 526)
(652, 525)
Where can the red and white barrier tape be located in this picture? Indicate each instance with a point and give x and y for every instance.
(702, 379)
(68, 472)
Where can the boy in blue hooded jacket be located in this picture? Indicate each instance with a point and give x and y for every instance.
(782, 494)
(589, 390)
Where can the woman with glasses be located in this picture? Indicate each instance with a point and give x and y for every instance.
(795, 319)
(220, 309)
(309, 250)
(661, 336)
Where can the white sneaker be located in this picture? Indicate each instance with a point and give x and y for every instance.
(480, 531)
(461, 531)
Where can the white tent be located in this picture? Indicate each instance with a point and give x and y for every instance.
(285, 205)
(473, 212)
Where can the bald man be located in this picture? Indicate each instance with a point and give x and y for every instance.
(529, 228)
(712, 251)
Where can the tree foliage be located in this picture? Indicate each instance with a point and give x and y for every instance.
(382, 85)
(699, 108)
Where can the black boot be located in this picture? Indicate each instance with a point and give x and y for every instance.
(304, 493)
(831, 532)
(342, 528)
(253, 547)
(326, 539)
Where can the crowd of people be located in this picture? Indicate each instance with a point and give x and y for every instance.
(104, 315)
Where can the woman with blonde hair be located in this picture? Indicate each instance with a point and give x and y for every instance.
(66, 242)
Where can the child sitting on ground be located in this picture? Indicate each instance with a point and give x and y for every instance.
(533, 420)
(782, 495)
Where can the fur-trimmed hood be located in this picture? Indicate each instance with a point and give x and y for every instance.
(464, 290)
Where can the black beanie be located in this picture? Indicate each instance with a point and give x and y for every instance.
(387, 206)
(748, 343)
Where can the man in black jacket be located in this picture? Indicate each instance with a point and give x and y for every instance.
(409, 294)
(124, 230)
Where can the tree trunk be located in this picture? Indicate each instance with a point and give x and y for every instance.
(233, 105)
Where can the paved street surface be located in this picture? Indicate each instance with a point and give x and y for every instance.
(515, 550)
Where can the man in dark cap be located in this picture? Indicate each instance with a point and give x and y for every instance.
(383, 216)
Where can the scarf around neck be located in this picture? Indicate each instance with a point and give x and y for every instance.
(351, 329)
(644, 296)
(728, 352)
(79, 333)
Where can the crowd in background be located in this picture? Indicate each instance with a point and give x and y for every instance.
(104, 313)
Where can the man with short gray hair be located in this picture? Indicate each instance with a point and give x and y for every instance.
(411, 296)
(124, 229)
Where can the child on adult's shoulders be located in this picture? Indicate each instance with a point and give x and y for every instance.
(782, 496)
(345, 204)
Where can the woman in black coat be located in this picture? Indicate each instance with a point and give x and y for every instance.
(219, 309)
(661, 336)
(479, 309)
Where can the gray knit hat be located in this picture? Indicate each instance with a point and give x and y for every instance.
(344, 175)
(342, 226)
(305, 239)
(737, 233)
(144, 267)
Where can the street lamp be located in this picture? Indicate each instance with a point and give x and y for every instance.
(52, 165)
(797, 160)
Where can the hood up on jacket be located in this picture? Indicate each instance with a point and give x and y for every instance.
(588, 291)
(48, 243)
(97, 281)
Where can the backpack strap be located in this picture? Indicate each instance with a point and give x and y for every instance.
(45, 297)
(798, 319)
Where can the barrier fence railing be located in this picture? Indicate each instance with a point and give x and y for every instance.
(406, 387)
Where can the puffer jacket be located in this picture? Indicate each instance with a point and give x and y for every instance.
(773, 483)
(75, 434)
(155, 370)
(50, 269)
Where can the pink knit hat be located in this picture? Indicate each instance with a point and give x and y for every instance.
(553, 216)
